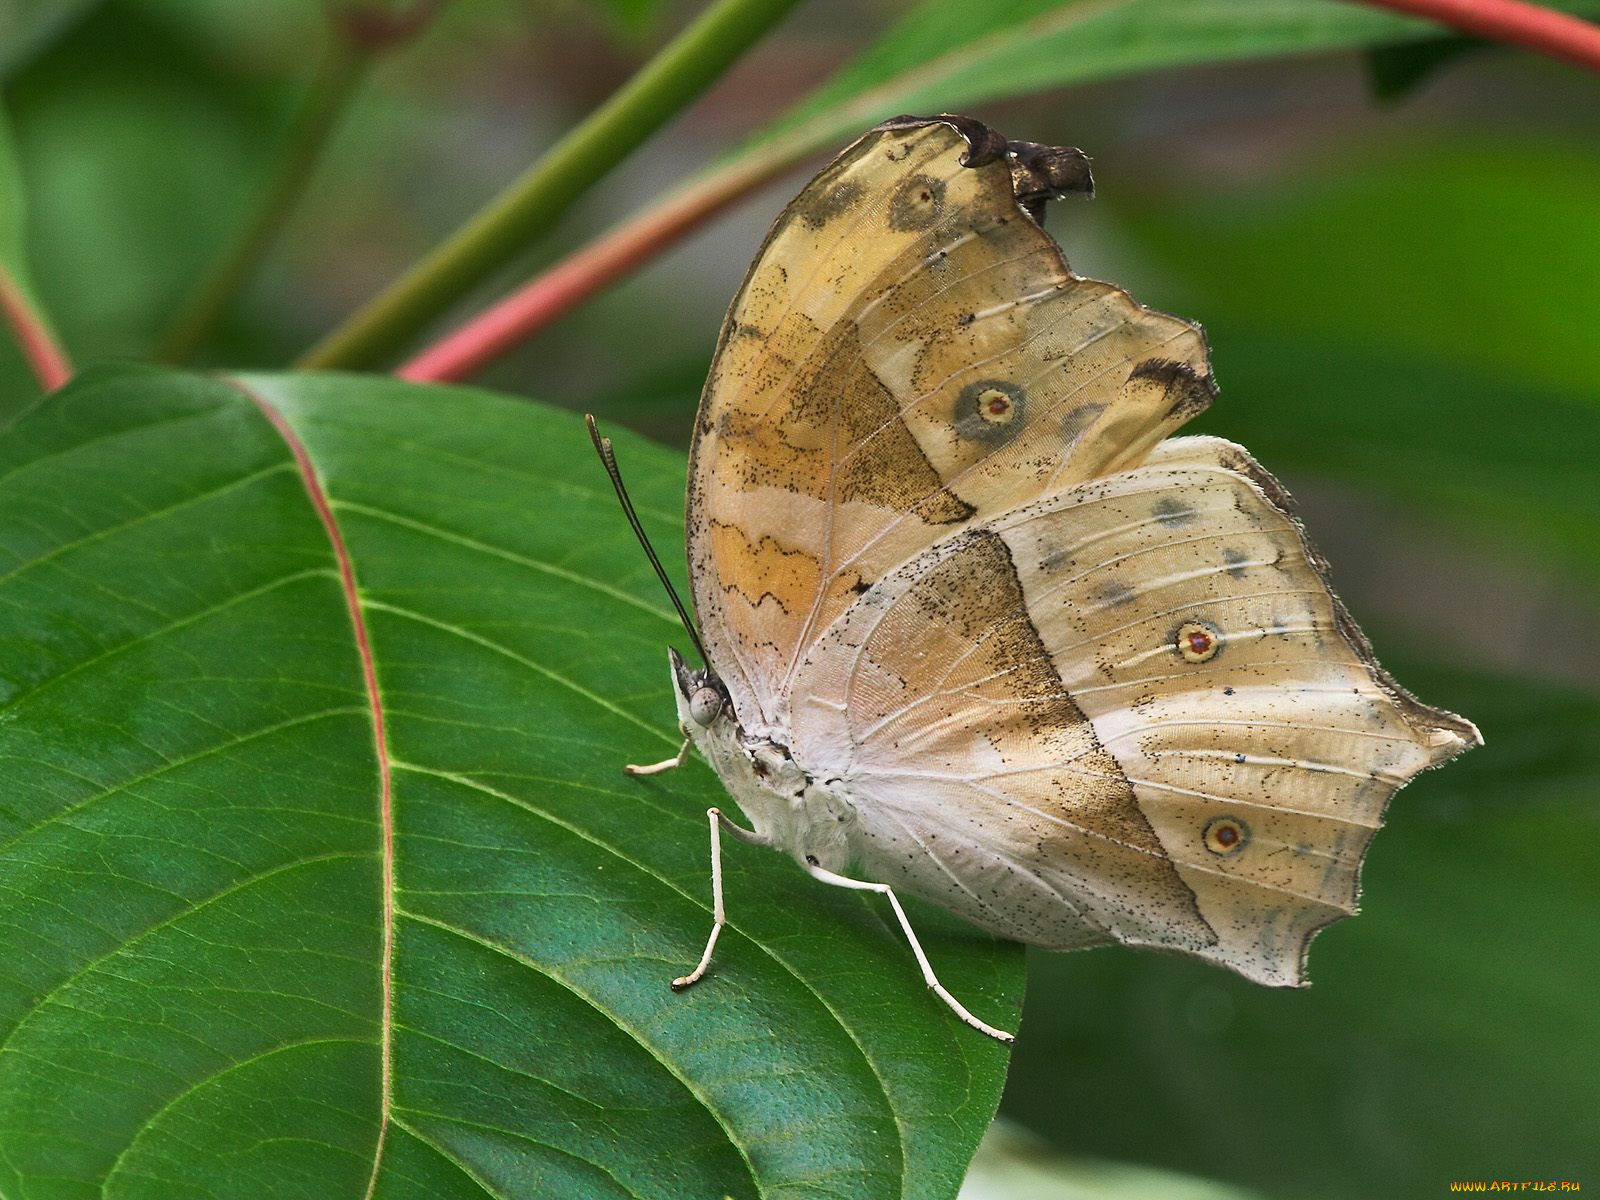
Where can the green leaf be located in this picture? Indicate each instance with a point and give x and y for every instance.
(1450, 1030)
(13, 212)
(1012, 1164)
(634, 18)
(193, 833)
(1432, 430)
(949, 55)
(136, 165)
(26, 26)
(1469, 248)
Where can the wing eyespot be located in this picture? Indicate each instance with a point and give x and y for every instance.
(990, 410)
(1198, 641)
(1226, 836)
(917, 205)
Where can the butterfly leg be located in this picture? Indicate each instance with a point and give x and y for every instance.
(719, 822)
(928, 976)
(666, 764)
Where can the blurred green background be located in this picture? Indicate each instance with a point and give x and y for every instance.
(1403, 296)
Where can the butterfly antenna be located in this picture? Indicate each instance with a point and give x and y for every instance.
(608, 458)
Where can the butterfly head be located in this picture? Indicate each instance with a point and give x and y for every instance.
(702, 699)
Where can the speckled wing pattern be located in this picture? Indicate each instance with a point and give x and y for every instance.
(1083, 682)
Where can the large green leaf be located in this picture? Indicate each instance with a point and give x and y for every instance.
(197, 913)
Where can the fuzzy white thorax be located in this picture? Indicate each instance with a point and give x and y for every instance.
(809, 818)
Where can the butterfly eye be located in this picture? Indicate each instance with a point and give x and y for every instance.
(1226, 836)
(1198, 641)
(705, 706)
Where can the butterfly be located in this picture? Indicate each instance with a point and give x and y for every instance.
(976, 629)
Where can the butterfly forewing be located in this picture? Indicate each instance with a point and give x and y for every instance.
(909, 356)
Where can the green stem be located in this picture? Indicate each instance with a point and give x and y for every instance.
(532, 204)
(342, 68)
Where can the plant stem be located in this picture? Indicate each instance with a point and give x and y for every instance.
(532, 204)
(341, 69)
(487, 336)
(1531, 26)
(42, 352)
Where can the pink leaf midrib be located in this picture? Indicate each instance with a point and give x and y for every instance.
(347, 583)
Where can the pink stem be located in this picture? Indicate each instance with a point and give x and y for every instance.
(546, 297)
(44, 356)
(1531, 26)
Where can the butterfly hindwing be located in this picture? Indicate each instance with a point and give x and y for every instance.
(981, 784)
(1195, 749)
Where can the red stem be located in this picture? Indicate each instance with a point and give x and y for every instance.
(1531, 26)
(44, 356)
(541, 301)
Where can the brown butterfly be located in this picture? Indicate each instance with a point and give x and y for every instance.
(976, 628)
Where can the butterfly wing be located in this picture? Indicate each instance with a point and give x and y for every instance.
(908, 356)
(1132, 708)
(1079, 684)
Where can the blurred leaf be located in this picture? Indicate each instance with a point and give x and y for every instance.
(1451, 1029)
(26, 26)
(189, 755)
(13, 215)
(635, 18)
(1012, 1164)
(137, 166)
(1432, 430)
(1482, 252)
(1419, 322)
(948, 55)
(1397, 71)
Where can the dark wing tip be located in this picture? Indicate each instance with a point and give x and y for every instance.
(1038, 172)
(1191, 392)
